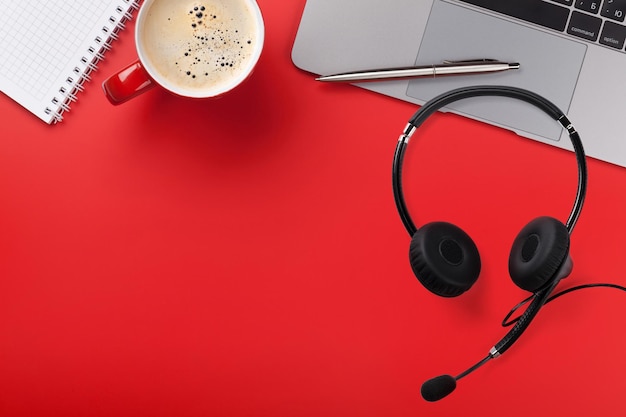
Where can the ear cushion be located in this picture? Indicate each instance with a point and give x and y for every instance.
(444, 259)
(538, 252)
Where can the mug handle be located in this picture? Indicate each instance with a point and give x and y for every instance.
(127, 83)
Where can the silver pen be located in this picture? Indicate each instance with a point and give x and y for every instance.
(475, 66)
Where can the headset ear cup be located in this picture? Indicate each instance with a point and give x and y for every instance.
(538, 253)
(444, 259)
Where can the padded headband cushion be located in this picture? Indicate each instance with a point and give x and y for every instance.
(538, 252)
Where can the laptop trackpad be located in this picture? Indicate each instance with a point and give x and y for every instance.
(550, 66)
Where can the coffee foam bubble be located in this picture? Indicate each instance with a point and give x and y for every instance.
(199, 45)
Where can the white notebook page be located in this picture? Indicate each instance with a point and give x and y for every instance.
(48, 48)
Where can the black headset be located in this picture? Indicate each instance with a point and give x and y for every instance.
(445, 259)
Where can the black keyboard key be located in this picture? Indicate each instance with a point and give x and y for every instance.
(584, 26)
(613, 35)
(591, 6)
(566, 2)
(614, 9)
(549, 15)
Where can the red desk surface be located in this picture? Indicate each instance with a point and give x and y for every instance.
(244, 257)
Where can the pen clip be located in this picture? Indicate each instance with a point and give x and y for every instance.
(470, 61)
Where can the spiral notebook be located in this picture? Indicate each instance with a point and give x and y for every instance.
(48, 48)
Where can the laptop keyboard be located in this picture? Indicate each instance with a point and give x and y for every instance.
(600, 21)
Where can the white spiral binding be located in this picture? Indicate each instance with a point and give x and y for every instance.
(89, 63)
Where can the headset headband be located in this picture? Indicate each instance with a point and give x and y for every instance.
(479, 91)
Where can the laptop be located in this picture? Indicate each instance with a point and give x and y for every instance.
(572, 52)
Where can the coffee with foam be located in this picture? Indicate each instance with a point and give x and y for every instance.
(199, 46)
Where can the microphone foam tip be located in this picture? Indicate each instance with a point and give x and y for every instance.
(436, 388)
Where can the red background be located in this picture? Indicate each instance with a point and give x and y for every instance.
(243, 257)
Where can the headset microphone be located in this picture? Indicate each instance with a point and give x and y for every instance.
(439, 387)
(436, 388)
(445, 259)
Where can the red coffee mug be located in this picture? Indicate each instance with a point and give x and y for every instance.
(202, 17)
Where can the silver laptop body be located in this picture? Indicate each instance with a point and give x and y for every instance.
(585, 78)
